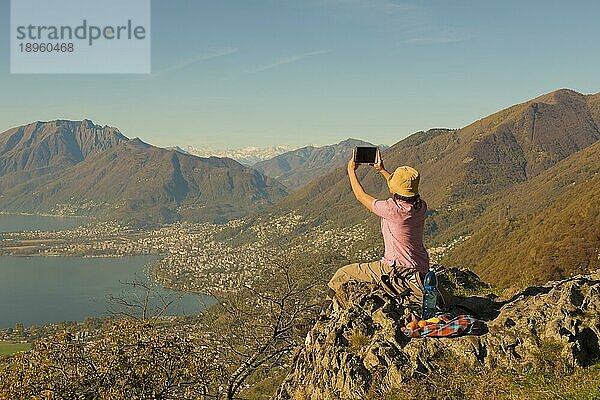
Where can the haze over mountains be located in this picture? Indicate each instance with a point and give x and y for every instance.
(469, 170)
(81, 168)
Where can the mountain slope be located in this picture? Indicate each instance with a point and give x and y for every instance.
(298, 167)
(135, 181)
(507, 147)
(543, 229)
(465, 171)
(461, 166)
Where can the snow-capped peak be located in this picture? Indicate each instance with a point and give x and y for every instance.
(247, 155)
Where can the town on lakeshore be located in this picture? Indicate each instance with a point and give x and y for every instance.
(197, 257)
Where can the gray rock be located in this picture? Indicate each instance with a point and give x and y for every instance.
(361, 347)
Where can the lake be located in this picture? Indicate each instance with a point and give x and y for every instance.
(20, 223)
(41, 290)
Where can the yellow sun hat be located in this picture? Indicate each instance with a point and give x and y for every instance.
(404, 181)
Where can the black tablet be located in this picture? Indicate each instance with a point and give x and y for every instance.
(365, 155)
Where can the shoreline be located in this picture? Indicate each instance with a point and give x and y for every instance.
(25, 214)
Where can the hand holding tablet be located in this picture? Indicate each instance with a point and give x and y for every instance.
(365, 155)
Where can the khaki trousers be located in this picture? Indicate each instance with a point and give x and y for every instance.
(360, 272)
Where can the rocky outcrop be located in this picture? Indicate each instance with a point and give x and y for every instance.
(361, 347)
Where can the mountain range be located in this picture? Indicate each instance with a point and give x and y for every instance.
(246, 156)
(514, 196)
(78, 167)
(82, 168)
(298, 167)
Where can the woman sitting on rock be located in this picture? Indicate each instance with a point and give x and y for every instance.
(402, 219)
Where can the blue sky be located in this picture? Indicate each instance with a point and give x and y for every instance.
(233, 73)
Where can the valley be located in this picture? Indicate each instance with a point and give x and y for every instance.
(192, 215)
(213, 219)
(517, 209)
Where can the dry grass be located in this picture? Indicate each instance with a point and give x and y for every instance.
(358, 341)
(551, 378)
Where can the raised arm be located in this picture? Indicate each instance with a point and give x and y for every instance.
(379, 166)
(360, 194)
